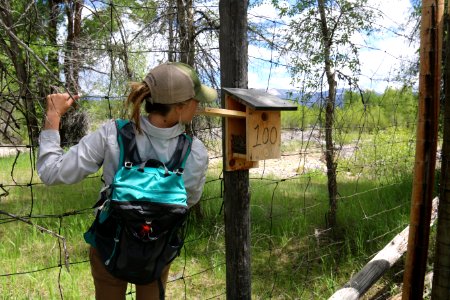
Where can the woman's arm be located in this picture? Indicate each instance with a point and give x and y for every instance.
(56, 166)
(195, 171)
(57, 106)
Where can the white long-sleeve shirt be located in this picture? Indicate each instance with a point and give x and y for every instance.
(101, 148)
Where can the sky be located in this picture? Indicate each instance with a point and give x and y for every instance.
(381, 56)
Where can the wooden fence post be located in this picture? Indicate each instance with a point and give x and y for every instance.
(441, 267)
(234, 63)
(426, 147)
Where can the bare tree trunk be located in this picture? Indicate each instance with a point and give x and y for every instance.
(54, 11)
(71, 58)
(76, 51)
(18, 58)
(171, 55)
(69, 46)
(329, 119)
(186, 31)
(44, 82)
(124, 52)
(73, 123)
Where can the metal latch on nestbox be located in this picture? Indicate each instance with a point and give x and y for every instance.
(252, 126)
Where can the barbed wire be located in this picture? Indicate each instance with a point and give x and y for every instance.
(291, 244)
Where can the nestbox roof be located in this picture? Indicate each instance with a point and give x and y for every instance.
(260, 100)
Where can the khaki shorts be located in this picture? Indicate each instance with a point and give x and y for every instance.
(109, 287)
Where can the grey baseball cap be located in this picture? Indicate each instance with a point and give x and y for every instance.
(175, 82)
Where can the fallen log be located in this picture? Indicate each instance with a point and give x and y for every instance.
(383, 261)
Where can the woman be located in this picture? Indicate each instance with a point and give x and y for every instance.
(172, 93)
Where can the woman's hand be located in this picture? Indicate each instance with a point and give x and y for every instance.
(57, 106)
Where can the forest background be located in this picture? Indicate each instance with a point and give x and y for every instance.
(355, 87)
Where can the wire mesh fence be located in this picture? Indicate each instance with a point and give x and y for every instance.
(295, 255)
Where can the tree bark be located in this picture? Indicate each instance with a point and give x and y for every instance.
(186, 31)
(234, 67)
(441, 278)
(170, 19)
(329, 118)
(74, 123)
(54, 11)
(426, 147)
(18, 58)
(72, 55)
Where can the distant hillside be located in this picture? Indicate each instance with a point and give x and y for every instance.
(297, 96)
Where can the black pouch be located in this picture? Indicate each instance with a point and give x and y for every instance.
(132, 253)
(142, 262)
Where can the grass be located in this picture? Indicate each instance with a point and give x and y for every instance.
(293, 257)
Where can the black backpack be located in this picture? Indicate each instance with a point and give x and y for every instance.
(140, 228)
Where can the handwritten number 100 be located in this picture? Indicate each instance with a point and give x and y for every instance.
(267, 136)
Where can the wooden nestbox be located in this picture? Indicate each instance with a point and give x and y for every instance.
(252, 126)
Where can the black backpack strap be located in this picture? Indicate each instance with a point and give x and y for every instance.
(178, 159)
(126, 138)
(161, 289)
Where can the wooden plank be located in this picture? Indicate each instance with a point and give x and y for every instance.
(220, 112)
(263, 135)
(235, 127)
(374, 269)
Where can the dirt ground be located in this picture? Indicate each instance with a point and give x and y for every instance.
(294, 162)
(9, 150)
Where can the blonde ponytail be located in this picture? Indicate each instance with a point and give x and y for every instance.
(139, 93)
